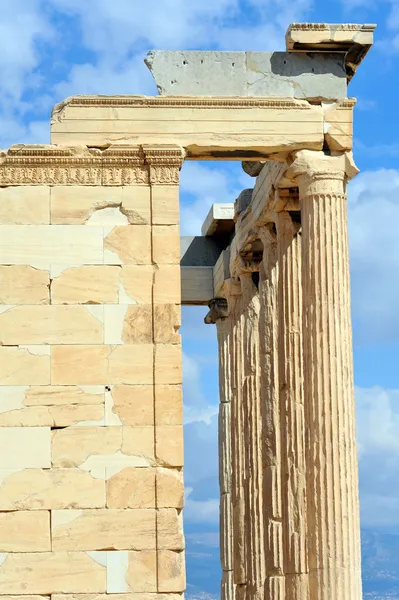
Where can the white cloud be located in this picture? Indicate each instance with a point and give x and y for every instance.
(378, 445)
(201, 511)
(374, 250)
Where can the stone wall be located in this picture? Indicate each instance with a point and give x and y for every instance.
(91, 454)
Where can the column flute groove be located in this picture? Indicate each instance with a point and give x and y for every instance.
(332, 480)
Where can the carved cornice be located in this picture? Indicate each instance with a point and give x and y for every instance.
(116, 166)
(332, 27)
(165, 164)
(179, 102)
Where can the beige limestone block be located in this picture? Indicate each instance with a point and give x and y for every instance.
(169, 446)
(51, 325)
(338, 125)
(167, 285)
(100, 448)
(168, 405)
(170, 488)
(131, 571)
(131, 488)
(45, 244)
(133, 404)
(83, 205)
(25, 447)
(25, 531)
(127, 596)
(136, 204)
(94, 365)
(167, 322)
(127, 244)
(171, 571)
(103, 529)
(52, 572)
(165, 245)
(128, 324)
(24, 366)
(170, 529)
(141, 574)
(59, 395)
(52, 416)
(88, 284)
(165, 204)
(168, 367)
(24, 205)
(35, 489)
(22, 284)
(27, 597)
(136, 284)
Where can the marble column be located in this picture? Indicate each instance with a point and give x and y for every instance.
(293, 468)
(271, 417)
(331, 461)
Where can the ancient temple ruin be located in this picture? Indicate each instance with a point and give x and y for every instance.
(93, 273)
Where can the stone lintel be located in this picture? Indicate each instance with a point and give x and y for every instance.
(350, 39)
(219, 221)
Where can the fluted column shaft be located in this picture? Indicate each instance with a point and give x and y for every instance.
(271, 419)
(294, 517)
(331, 462)
(254, 525)
(226, 372)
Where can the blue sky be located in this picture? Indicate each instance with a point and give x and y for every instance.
(51, 49)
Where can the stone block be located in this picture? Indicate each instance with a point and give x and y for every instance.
(128, 324)
(136, 284)
(134, 571)
(106, 205)
(24, 205)
(168, 364)
(133, 404)
(44, 245)
(171, 571)
(24, 365)
(167, 322)
(22, 284)
(167, 287)
(25, 531)
(51, 572)
(102, 450)
(57, 395)
(35, 489)
(170, 529)
(131, 488)
(88, 284)
(170, 488)
(53, 416)
(25, 448)
(165, 204)
(168, 405)
(127, 245)
(169, 446)
(165, 245)
(103, 529)
(51, 325)
(95, 365)
(126, 596)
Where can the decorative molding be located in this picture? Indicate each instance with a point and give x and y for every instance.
(165, 164)
(179, 102)
(331, 27)
(117, 165)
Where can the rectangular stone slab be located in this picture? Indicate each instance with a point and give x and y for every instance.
(208, 128)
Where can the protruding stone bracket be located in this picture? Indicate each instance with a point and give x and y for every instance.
(218, 310)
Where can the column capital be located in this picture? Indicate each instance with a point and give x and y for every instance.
(314, 166)
(165, 163)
